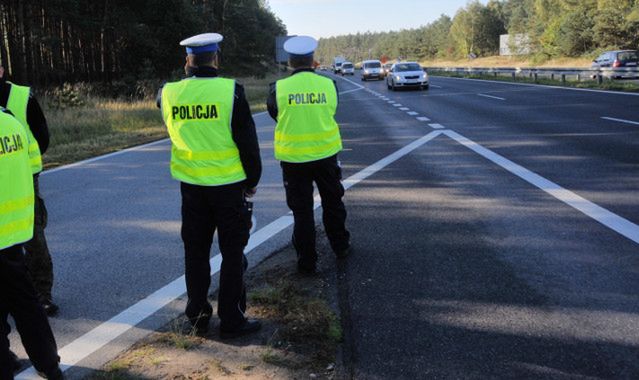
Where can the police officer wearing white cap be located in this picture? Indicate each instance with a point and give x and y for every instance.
(307, 141)
(216, 157)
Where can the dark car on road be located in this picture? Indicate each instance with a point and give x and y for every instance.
(617, 59)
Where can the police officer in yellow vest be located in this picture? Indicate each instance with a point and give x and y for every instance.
(307, 141)
(24, 106)
(215, 155)
(18, 296)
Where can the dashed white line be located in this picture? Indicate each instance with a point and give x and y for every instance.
(435, 86)
(621, 120)
(397, 105)
(613, 221)
(436, 126)
(391, 102)
(404, 109)
(491, 97)
(413, 113)
(423, 118)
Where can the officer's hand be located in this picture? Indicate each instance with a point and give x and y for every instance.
(249, 193)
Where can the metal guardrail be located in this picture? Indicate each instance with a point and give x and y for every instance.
(560, 73)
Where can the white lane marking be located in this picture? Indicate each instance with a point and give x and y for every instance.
(607, 218)
(391, 102)
(404, 109)
(119, 152)
(546, 86)
(353, 83)
(436, 126)
(423, 118)
(397, 105)
(413, 113)
(435, 86)
(621, 120)
(491, 97)
(349, 91)
(381, 164)
(108, 331)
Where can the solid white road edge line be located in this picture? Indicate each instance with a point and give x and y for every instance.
(349, 91)
(351, 82)
(92, 341)
(607, 218)
(119, 152)
(491, 97)
(620, 120)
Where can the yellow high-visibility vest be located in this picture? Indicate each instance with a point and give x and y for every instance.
(17, 104)
(197, 113)
(16, 183)
(306, 128)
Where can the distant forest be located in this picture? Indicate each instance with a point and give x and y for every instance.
(555, 28)
(55, 41)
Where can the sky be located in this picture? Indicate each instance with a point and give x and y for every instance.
(327, 18)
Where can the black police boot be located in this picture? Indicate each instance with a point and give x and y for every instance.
(52, 375)
(248, 327)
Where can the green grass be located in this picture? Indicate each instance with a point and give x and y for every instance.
(94, 126)
(610, 85)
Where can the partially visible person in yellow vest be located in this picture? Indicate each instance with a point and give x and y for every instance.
(307, 141)
(18, 296)
(216, 157)
(24, 106)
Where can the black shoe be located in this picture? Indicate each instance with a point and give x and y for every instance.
(201, 325)
(49, 307)
(53, 375)
(15, 362)
(249, 326)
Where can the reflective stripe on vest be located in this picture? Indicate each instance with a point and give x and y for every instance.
(306, 128)
(197, 113)
(16, 184)
(17, 104)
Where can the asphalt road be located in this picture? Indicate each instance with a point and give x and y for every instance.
(464, 270)
(461, 269)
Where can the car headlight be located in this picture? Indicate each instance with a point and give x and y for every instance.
(398, 77)
(425, 76)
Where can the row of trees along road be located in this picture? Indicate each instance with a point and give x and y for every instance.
(55, 41)
(555, 28)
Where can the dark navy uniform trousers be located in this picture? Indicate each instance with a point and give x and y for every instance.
(298, 181)
(19, 299)
(206, 209)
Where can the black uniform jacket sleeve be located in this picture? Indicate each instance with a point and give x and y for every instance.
(245, 137)
(271, 101)
(242, 130)
(35, 117)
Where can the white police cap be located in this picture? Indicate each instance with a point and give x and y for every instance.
(300, 45)
(202, 43)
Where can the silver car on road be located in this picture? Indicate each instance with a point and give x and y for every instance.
(407, 74)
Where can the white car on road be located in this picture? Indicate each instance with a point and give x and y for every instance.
(348, 69)
(407, 74)
(372, 69)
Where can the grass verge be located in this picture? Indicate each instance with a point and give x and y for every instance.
(95, 126)
(609, 85)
